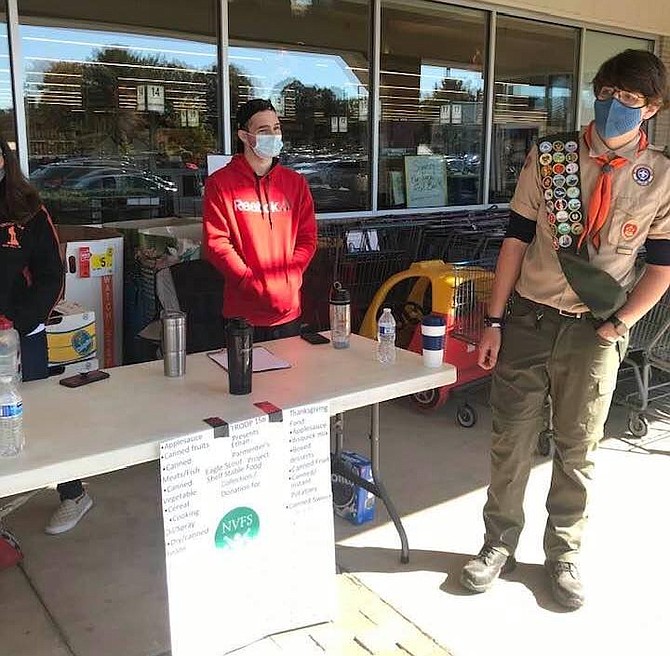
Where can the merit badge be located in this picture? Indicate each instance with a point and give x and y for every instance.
(545, 171)
(559, 192)
(629, 230)
(563, 228)
(571, 168)
(558, 169)
(575, 217)
(643, 175)
(545, 159)
(571, 158)
(562, 215)
(574, 204)
(545, 146)
(558, 146)
(559, 157)
(546, 182)
(548, 194)
(564, 241)
(561, 204)
(573, 192)
(572, 180)
(559, 181)
(550, 206)
(571, 146)
(577, 228)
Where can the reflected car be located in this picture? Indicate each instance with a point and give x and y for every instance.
(83, 193)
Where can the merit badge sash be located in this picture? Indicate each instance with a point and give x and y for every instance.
(560, 178)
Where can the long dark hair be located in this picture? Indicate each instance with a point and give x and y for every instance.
(19, 200)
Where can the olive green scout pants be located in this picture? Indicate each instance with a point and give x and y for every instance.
(544, 353)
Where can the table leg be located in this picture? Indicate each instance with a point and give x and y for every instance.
(339, 432)
(382, 493)
(376, 486)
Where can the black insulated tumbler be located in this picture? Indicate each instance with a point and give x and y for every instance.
(239, 341)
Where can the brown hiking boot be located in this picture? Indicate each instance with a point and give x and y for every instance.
(479, 573)
(566, 585)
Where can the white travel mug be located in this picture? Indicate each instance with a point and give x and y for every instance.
(433, 330)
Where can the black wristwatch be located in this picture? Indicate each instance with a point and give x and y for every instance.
(620, 327)
(493, 322)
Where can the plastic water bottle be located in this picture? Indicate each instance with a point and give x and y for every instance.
(386, 353)
(12, 439)
(10, 354)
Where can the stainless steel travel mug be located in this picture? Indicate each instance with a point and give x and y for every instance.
(174, 342)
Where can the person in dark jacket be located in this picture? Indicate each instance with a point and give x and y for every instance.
(31, 282)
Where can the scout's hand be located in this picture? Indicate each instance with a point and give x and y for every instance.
(608, 333)
(489, 347)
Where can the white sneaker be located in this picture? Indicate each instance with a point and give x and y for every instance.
(68, 514)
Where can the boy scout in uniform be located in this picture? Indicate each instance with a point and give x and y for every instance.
(584, 206)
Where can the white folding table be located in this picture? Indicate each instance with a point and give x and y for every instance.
(121, 421)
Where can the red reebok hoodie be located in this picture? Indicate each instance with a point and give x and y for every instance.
(260, 233)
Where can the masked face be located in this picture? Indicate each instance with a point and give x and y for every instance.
(613, 118)
(268, 145)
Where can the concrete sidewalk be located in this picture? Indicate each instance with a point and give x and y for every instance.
(100, 589)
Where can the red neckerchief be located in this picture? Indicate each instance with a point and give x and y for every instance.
(601, 198)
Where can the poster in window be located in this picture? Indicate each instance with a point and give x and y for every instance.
(343, 124)
(456, 113)
(425, 181)
(193, 118)
(334, 123)
(156, 98)
(397, 188)
(142, 98)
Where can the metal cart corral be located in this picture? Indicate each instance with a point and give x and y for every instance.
(644, 379)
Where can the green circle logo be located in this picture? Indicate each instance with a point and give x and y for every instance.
(238, 527)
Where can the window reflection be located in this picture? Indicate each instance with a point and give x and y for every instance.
(119, 124)
(311, 60)
(533, 93)
(432, 100)
(6, 96)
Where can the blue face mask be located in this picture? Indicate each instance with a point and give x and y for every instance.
(268, 145)
(613, 118)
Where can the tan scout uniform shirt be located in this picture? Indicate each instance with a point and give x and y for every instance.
(637, 212)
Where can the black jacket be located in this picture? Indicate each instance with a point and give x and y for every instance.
(31, 271)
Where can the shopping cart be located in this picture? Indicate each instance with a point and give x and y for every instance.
(459, 292)
(644, 379)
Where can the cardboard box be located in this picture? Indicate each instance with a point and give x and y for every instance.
(94, 279)
(350, 501)
(71, 338)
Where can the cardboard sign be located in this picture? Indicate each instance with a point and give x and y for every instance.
(425, 181)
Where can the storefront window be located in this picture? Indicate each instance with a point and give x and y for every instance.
(534, 93)
(310, 58)
(598, 48)
(7, 128)
(120, 117)
(432, 105)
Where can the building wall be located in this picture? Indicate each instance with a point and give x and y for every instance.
(620, 14)
(662, 134)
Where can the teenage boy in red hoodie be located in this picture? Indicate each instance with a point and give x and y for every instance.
(259, 227)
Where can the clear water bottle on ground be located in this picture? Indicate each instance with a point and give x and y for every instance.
(386, 353)
(10, 358)
(12, 439)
